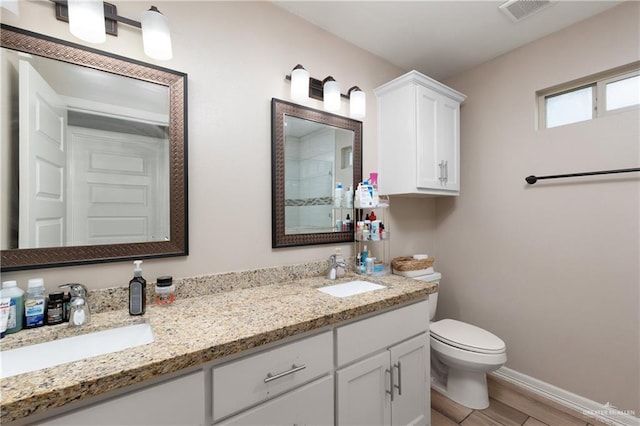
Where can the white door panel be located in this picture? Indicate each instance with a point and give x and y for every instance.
(42, 158)
(411, 403)
(122, 182)
(362, 392)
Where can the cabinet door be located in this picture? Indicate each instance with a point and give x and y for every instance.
(428, 174)
(448, 142)
(174, 402)
(437, 144)
(362, 392)
(411, 387)
(309, 405)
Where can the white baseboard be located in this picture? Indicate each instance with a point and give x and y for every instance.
(605, 413)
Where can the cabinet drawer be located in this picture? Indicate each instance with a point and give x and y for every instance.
(363, 337)
(309, 405)
(241, 383)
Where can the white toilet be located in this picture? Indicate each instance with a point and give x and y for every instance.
(462, 355)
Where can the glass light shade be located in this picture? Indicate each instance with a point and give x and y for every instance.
(357, 104)
(156, 38)
(86, 20)
(331, 95)
(299, 84)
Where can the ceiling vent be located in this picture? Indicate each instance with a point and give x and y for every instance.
(518, 10)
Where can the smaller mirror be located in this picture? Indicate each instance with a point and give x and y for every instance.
(312, 151)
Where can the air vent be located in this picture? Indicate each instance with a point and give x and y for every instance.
(518, 10)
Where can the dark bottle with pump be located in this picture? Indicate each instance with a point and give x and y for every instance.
(137, 291)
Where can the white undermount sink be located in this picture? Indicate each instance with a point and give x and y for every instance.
(351, 288)
(56, 352)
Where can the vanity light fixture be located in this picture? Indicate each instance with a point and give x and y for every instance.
(89, 20)
(357, 103)
(331, 97)
(304, 87)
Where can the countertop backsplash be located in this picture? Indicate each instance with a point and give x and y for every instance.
(116, 298)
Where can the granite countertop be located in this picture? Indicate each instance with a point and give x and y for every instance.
(190, 332)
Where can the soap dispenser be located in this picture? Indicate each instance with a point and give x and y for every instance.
(137, 291)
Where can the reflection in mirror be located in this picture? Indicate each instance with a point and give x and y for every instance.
(313, 168)
(312, 152)
(93, 155)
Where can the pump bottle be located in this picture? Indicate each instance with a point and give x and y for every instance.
(137, 291)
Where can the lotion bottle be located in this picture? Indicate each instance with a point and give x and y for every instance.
(137, 291)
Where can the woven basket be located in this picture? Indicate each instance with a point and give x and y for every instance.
(406, 263)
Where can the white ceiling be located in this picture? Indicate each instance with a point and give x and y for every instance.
(439, 38)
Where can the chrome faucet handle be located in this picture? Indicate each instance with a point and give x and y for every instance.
(76, 290)
(332, 271)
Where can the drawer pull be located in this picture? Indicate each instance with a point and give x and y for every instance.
(399, 385)
(294, 369)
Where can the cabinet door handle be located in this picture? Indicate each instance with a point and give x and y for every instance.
(446, 172)
(293, 369)
(399, 385)
(441, 177)
(390, 382)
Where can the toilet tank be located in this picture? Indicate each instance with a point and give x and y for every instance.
(433, 297)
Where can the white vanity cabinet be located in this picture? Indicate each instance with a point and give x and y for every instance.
(372, 371)
(388, 384)
(243, 383)
(418, 136)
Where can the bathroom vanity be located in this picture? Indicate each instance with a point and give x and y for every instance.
(286, 352)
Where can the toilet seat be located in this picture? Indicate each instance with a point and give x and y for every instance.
(466, 336)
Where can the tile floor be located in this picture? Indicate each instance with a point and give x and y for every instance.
(507, 407)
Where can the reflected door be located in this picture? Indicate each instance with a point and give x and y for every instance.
(118, 187)
(43, 121)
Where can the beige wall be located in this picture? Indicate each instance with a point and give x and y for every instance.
(236, 55)
(553, 269)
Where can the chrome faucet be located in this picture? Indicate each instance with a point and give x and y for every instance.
(334, 264)
(79, 313)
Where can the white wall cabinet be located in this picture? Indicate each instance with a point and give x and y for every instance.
(418, 136)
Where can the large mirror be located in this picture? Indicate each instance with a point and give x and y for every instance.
(312, 152)
(93, 155)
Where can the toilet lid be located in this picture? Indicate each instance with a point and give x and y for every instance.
(466, 336)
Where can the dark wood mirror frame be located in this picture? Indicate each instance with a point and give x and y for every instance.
(280, 109)
(37, 44)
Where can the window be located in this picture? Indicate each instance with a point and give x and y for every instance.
(622, 93)
(591, 97)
